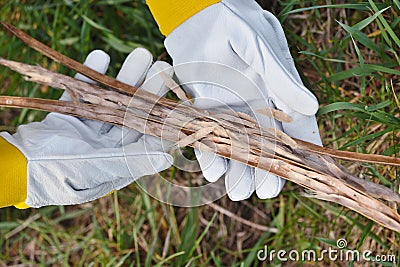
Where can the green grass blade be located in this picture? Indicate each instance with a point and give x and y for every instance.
(360, 37)
(385, 24)
(364, 23)
(359, 6)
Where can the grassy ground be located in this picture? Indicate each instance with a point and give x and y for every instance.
(348, 55)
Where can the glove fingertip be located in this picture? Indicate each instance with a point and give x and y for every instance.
(309, 104)
(135, 67)
(213, 175)
(212, 166)
(154, 82)
(239, 181)
(268, 185)
(163, 66)
(97, 60)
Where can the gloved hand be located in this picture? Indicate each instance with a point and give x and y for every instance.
(73, 160)
(235, 53)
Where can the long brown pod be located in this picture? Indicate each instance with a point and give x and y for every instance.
(291, 159)
(324, 186)
(313, 175)
(348, 155)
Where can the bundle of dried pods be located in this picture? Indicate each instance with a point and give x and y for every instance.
(234, 136)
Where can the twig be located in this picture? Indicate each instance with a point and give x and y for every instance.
(242, 220)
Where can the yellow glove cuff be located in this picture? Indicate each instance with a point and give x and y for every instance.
(13, 176)
(169, 14)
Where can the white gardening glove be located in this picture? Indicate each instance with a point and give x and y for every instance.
(73, 160)
(235, 53)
